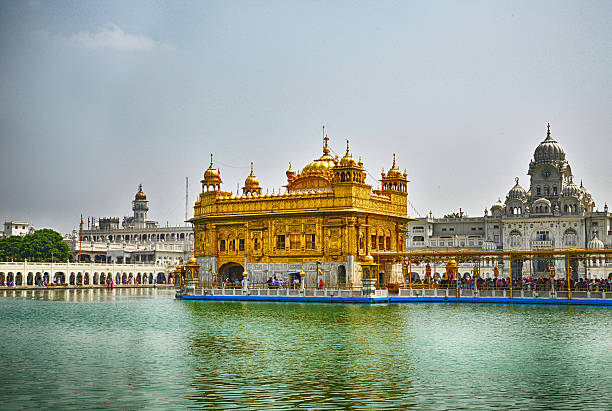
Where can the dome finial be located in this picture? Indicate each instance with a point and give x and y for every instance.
(211, 159)
(393, 161)
(325, 148)
(516, 179)
(548, 130)
(251, 168)
(347, 146)
(581, 186)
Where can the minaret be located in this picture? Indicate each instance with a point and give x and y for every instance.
(140, 206)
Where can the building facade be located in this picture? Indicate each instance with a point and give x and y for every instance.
(18, 228)
(324, 224)
(553, 213)
(137, 241)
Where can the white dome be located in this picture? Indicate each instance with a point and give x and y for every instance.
(595, 244)
(571, 190)
(498, 205)
(549, 150)
(517, 192)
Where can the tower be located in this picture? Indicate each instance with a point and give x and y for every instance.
(140, 206)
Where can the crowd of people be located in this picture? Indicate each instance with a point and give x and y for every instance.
(526, 283)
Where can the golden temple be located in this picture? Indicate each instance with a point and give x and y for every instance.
(326, 222)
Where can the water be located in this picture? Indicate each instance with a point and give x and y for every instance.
(135, 349)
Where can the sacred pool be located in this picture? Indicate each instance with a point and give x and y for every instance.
(142, 348)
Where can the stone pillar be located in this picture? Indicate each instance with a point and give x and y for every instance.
(368, 289)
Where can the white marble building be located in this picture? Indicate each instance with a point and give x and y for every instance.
(553, 213)
(19, 228)
(138, 241)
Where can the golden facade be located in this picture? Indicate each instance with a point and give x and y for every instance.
(326, 222)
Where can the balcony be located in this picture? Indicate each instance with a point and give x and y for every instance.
(542, 243)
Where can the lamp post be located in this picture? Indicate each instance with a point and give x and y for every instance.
(552, 273)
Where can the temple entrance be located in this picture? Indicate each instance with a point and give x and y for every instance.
(231, 272)
(341, 275)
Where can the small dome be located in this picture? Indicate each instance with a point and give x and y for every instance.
(451, 264)
(212, 174)
(368, 259)
(192, 261)
(394, 171)
(571, 190)
(251, 181)
(347, 160)
(549, 150)
(542, 201)
(498, 205)
(517, 192)
(595, 244)
(140, 195)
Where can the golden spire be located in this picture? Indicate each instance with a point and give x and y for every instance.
(347, 147)
(325, 148)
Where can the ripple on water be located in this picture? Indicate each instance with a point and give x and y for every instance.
(146, 350)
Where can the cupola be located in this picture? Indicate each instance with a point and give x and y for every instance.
(212, 178)
(549, 149)
(595, 243)
(394, 180)
(571, 190)
(140, 195)
(251, 184)
(347, 170)
(517, 192)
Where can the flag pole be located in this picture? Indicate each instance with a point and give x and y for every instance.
(80, 237)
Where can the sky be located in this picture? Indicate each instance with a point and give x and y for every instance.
(99, 97)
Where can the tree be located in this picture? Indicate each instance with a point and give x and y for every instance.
(10, 248)
(39, 246)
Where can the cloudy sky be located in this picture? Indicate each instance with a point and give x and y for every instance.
(98, 97)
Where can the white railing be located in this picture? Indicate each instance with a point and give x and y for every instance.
(541, 243)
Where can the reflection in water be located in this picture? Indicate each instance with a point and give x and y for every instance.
(140, 348)
(317, 356)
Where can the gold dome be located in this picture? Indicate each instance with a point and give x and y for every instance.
(192, 261)
(212, 174)
(323, 164)
(367, 259)
(140, 195)
(347, 160)
(251, 181)
(451, 264)
(394, 171)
